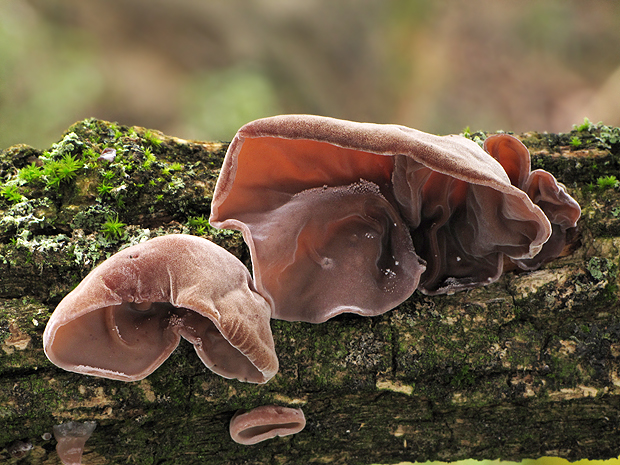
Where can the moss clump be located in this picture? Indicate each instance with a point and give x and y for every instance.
(607, 182)
(113, 228)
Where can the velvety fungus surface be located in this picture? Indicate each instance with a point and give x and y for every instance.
(128, 315)
(266, 422)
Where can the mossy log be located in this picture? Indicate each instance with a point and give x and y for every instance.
(525, 367)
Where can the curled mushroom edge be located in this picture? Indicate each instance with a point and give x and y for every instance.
(306, 191)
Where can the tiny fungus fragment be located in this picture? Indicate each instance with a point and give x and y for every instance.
(264, 423)
(128, 315)
(108, 154)
(72, 437)
(19, 449)
(330, 209)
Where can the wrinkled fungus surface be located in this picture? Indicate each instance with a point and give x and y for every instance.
(128, 315)
(315, 240)
(266, 422)
(353, 217)
(72, 437)
(543, 189)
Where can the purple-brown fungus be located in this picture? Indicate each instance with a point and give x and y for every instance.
(353, 217)
(264, 423)
(544, 190)
(128, 315)
(72, 437)
(316, 240)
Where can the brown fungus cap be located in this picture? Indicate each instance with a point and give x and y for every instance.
(128, 315)
(320, 256)
(291, 184)
(264, 423)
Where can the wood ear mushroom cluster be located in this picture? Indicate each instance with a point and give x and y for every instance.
(353, 217)
(339, 217)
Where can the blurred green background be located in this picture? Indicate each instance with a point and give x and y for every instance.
(200, 69)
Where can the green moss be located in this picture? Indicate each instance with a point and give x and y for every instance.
(11, 193)
(104, 188)
(64, 169)
(113, 228)
(152, 138)
(30, 173)
(149, 158)
(585, 126)
(607, 182)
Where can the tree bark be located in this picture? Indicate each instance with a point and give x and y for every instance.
(522, 368)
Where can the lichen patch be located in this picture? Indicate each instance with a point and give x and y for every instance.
(394, 386)
(531, 282)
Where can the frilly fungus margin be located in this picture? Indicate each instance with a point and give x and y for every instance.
(291, 185)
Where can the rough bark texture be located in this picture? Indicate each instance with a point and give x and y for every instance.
(526, 367)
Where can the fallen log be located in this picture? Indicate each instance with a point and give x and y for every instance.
(522, 368)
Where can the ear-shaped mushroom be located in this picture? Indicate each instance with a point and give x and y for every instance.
(322, 241)
(544, 190)
(453, 196)
(127, 316)
(334, 249)
(264, 423)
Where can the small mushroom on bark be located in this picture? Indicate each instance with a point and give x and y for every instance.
(264, 423)
(128, 315)
(72, 437)
(292, 185)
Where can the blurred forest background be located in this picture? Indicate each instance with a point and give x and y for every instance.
(200, 69)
